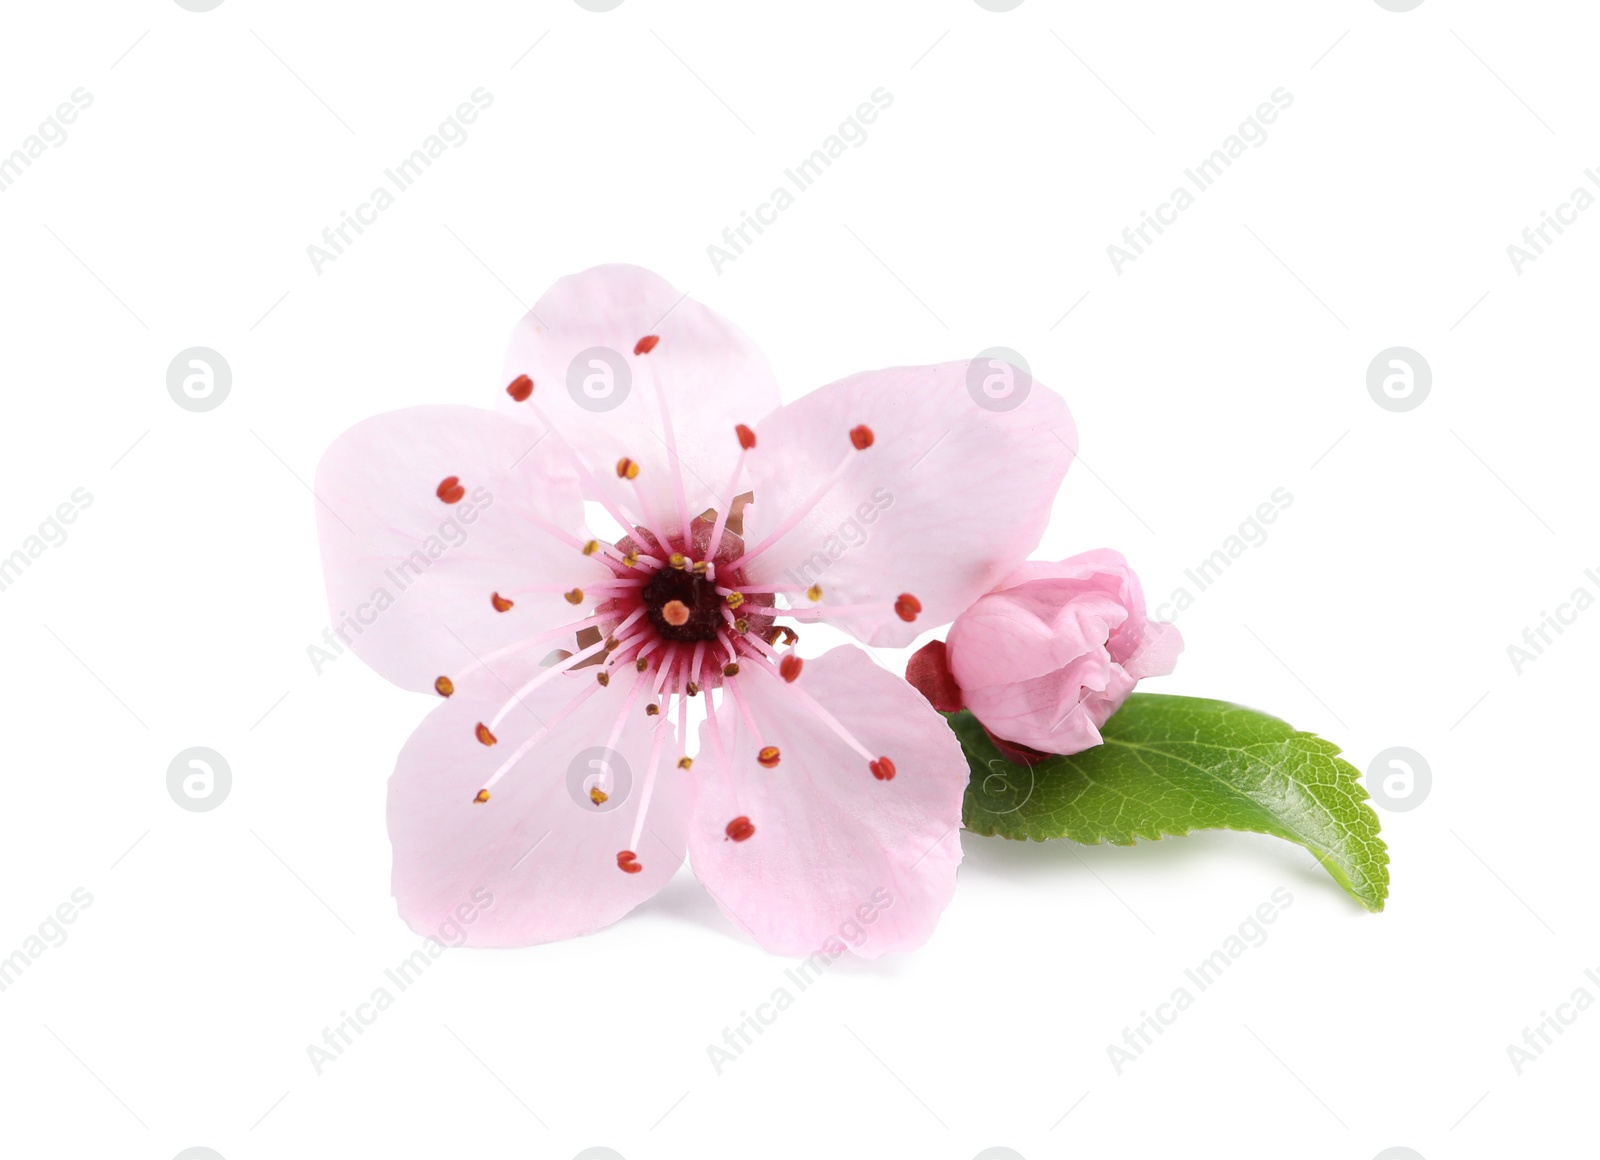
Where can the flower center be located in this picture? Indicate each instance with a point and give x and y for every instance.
(683, 605)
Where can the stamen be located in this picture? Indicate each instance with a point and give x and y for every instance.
(444, 686)
(537, 735)
(521, 645)
(578, 465)
(685, 761)
(646, 344)
(882, 769)
(652, 709)
(481, 731)
(768, 757)
(481, 796)
(685, 524)
(861, 437)
(628, 862)
(450, 489)
(549, 674)
(907, 607)
(814, 593)
(734, 599)
(520, 388)
(575, 596)
(627, 468)
(649, 781)
(501, 604)
(749, 721)
(789, 667)
(603, 677)
(739, 829)
(591, 547)
(598, 796)
(731, 492)
(801, 510)
(822, 715)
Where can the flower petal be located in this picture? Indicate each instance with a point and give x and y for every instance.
(837, 854)
(578, 345)
(537, 861)
(411, 578)
(948, 498)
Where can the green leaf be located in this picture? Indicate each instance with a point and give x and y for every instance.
(1170, 765)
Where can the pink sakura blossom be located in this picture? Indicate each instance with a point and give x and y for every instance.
(818, 788)
(1046, 658)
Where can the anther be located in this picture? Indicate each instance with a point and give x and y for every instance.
(501, 604)
(685, 761)
(814, 593)
(730, 670)
(784, 635)
(628, 862)
(627, 468)
(444, 686)
(735, 599)
(741, 625)
(747, 437)
(481, 796)
(692, 689)
(641, 664)
(574, 597)
(520, 388)
(739, 829)
(861, 437)
(789, 667)
(483, 734)
(598, 796)
(450, 489)
(591, 547)
(677, 560)
(768, 757)
(652, 710)
(907, 607)
(631, 559)
(675, 613)
(646, 344)
(882, 769)
(701, 567)
(603, 677)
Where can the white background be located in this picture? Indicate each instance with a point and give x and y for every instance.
(1226, 362)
